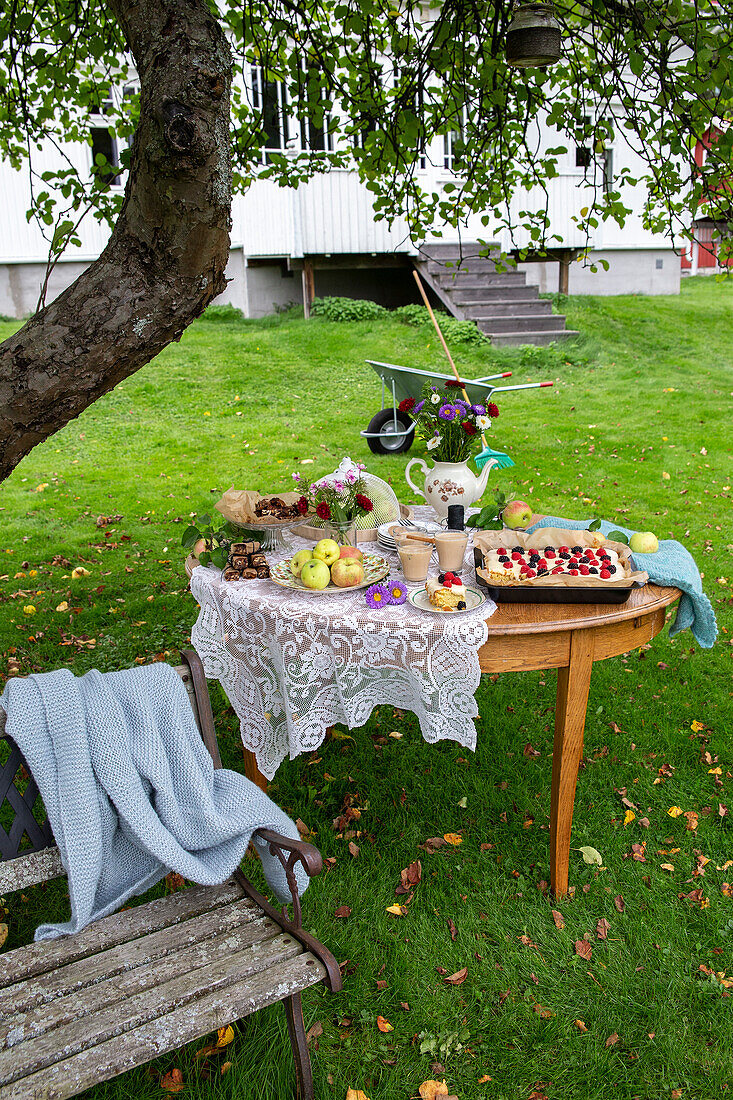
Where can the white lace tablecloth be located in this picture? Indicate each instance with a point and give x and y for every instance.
(294, 664)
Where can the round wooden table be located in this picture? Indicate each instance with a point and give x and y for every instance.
(570, 637)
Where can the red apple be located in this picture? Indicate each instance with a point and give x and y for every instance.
(347, 572)
(351, 552)
(517, 514)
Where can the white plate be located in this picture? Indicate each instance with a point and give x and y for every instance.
(421, 601)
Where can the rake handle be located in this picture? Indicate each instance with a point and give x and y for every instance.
(433, 318)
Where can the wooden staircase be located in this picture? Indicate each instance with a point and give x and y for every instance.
(500, 302)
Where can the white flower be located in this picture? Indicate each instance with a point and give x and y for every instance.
(483, 423)
(434, 442)
(435, 398)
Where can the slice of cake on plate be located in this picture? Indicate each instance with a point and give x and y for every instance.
(446, 592)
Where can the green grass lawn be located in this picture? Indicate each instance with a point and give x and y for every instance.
(637, 428)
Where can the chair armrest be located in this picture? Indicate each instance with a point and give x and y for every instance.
(307, 855)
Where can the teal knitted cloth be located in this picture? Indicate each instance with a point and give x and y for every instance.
(671, 565)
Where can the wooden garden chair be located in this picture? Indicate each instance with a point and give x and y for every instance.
(132, 986)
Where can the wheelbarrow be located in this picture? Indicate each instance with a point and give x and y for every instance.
(391, 431)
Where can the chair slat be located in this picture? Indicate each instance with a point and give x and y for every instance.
(114, 962)
(30, 869)
(65, 1009)
(117, 928)
(168, 1032)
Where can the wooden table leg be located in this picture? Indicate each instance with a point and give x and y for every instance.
(252, 771)
(573, 683)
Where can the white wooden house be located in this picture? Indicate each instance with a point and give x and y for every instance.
(321, 237)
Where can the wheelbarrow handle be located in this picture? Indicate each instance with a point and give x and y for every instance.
(523, 386)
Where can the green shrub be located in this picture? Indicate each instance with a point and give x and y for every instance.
(413, 314)
(462, 332)
(347, 309)
(224, 314)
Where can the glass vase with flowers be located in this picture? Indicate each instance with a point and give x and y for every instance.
(337, 500)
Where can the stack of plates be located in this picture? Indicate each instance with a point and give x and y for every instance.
(385, 536)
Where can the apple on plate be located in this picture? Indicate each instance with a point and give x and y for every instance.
(327, 550)
(347, 573)
(516, 514)
(643, 542)
(351, 552)
(315, 574)
(298, 561)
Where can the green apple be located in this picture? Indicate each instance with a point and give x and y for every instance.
(298, 561)
(327, 550)
(315, 574)
(643, 542)
(516, 514)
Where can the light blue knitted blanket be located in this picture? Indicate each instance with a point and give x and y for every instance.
(130, 789)
(672, 565)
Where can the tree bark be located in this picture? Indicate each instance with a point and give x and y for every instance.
(166, 257)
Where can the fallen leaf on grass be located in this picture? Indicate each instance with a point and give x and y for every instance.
(691, 819)
(172, 1081)
(726, 889)
(353, 849)
(558, 919)
(397, 910)
(356, 1094)
(612, 1039)
(224, 1068)
(63, 606)
(602, 927)
(452, 929)
(629, 816)
(384, 1025)
(580, 1024)
(343, 911)
(715, 771)
(539, 1091)
(619, 902)
(674, 811)
(410, 876)
(675, 1094)
(544, 1013)
(484, 1079)
(432, 844)
(637, 852)
(526, 941)
(314, 1032)
(453, 838)
(696, 726)
(584, 949)
(458, 978)
(225, 1036)
(667, 866)
(430, 1089)
(591, 855)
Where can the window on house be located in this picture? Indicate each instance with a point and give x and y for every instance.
(104, 144)
(607, 170)
(269, 97)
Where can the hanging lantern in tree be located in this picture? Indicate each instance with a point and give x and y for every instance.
(533, 37)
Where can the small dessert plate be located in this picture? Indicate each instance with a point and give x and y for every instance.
(421, 601)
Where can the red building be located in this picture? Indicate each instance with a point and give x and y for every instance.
(701, 254)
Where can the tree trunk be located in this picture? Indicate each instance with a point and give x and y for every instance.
(166, 257)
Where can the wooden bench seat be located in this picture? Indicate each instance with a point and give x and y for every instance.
(81, 1009)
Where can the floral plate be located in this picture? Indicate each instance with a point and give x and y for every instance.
(375, 569)
(421, 600)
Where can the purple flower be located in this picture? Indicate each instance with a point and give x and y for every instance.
(478, 410)
(296, 477)
(447, 412)
(397, 592)
(377, 596)
(339, 486)
(418, 408)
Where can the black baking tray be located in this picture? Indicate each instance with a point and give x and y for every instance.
(528, 593)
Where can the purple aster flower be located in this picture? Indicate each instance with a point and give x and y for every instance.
(447, 412)
(478, 410)
(418, 408)
(397, 592)
(377, 596)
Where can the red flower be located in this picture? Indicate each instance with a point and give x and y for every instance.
(302, 506)
(323, 511)
(407, 404)
(468, 427)
(453, 382)
(492, 410)
(364, 502)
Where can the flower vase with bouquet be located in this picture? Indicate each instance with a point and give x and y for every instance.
(338, 500)
(451, 428)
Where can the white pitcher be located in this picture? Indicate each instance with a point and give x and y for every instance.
(449, 483)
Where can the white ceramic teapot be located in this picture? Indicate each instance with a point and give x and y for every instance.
(449, 483)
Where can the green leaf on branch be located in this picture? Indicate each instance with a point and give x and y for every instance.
(190, 537)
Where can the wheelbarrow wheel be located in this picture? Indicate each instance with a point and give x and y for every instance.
(383, 442)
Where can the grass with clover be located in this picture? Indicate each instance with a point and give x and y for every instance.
(636, 429)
